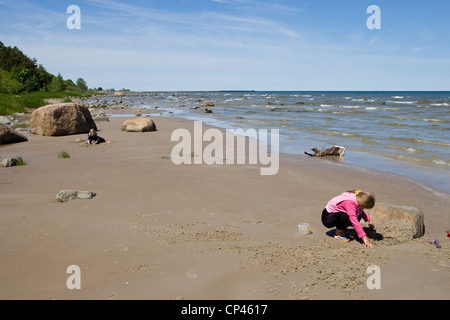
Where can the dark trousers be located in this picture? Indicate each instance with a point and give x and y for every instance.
(340, 220)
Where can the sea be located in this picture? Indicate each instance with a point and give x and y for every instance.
(402, 133)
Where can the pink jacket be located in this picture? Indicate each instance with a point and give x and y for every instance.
(347, 203)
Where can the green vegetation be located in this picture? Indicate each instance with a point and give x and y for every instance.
(10, 103)
(63, 155)
(25, 84)
(20, 162)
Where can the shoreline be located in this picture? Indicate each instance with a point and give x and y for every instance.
(426, 176)
(160, 231)
(295, 143)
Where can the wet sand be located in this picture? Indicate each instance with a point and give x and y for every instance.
(156, 230)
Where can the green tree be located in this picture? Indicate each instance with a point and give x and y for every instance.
(70, 85)
(8, 84)
(57, 84)
(82, 85)
(31, 84)
(12, 57)
(26, 78)
(43, 77)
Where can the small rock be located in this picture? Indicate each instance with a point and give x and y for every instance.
(207, 104)
(5, 120)
(8, 162)
(85, 194)
(66, 195)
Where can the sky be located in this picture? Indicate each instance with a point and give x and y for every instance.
(177, 45)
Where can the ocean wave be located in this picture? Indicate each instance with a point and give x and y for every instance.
(335, 133)
(441, 162)
(440, 104)
(435, 120)
(404, 148)
(367, 141)
(414, 159)
(396, 124)
(348, 112)
(403, 102)
(424, 119)
(421, 141)
(351, 107)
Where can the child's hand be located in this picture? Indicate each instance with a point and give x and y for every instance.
(371, 224)
(367, 242)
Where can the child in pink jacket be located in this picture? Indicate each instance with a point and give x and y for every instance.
(347, 210)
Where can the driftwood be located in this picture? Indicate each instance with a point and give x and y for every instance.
(333, 151)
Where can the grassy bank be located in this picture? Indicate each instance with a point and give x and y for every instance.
(10, 103)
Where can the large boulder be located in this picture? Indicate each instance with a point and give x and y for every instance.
(61, 119)
(405, 220)
(138, 125)
(8, 135)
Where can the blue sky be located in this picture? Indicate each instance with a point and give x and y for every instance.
(237, 44)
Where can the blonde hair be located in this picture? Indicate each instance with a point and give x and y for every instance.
(365, 199)
(91, 132)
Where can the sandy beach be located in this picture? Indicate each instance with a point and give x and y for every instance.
(156, 230)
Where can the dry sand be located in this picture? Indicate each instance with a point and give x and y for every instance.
(156, 230)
